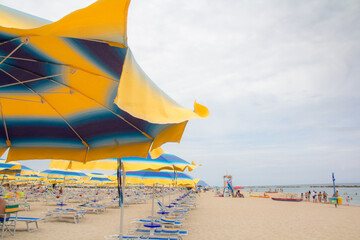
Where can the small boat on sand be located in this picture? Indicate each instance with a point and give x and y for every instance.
(287, 199)
(259, 196)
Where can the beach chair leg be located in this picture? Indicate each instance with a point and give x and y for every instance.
(15, 225)
(36, 226)
(3, 229)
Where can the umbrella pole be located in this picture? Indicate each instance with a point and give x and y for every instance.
(163, 194)
(152, 207)
(121, 185)
(169, 193)
(175, 178)
(175, 184)
(62, 194)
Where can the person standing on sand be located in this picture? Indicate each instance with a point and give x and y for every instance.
(319, 197)
(314, 196)
(325, 197)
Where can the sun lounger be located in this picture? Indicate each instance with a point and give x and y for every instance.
(113, 237)
(167, 232)
(91, 207)
(24, 206)
(172, 209)
(165, 223)
(59, 213)
(28, 220)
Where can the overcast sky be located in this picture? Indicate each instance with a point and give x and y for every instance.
(280, 78)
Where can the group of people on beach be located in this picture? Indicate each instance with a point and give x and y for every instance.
(321, 197)
(316, 197)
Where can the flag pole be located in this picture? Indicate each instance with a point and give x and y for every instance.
(333, 179)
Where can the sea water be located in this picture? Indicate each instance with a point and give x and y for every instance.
(346, 189)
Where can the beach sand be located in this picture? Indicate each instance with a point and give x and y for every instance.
(256, 218)
(216, 218)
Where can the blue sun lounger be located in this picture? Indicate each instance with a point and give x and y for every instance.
(163, 231)
(114, 237)
(29, 220)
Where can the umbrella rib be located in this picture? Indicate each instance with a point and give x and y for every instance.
(121, 117)
(10, 40)
(57, 64)
(30, 80)
(43, 99)
(18, 99)
(12, 52)
(8, 142)
(75, 90)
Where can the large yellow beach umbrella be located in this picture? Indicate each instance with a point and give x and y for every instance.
(73, 90)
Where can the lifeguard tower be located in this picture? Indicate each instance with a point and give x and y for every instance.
(228, 190)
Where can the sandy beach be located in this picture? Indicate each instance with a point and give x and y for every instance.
(254, 218)
(215, 218)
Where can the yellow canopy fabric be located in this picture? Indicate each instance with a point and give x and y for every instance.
(137, 164)
(104, 20)
(83, 86)
(15, 19)
(165, 161)
(149, 178)
(138, 95)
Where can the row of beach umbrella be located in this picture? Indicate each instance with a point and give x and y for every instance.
(168, 164)
(144, 178)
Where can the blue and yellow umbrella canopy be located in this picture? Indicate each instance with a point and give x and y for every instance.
(15, 168)
(165, 161)
(61, 174)
(164, 177)
(73, 90)
(98, 179)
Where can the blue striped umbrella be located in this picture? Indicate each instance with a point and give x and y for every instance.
(71, 91)
(165, 161)
(163, 177)
(54, 173)
(15, 168)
